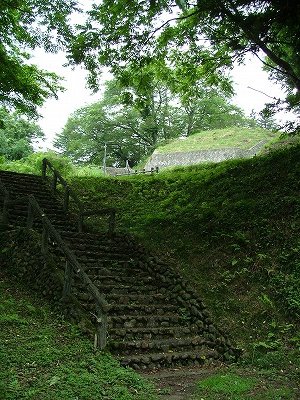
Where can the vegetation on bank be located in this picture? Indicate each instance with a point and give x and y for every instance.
(232, 228)
(240, 137)
(44, 357)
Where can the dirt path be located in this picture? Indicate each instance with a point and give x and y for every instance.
(178, 383)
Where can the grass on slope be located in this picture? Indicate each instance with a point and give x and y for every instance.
(44, 358)
(243, 138)
(232, 229)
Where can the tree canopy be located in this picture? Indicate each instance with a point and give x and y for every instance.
(17, 135)
(24, 26)
(133, 122)
(210, 35)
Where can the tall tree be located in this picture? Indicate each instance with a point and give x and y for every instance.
(213, 33)
(133, 121)
(130, 121)
(17, 135)
(24, 26)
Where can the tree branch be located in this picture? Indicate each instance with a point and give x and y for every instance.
(167, 22)
(237, 18)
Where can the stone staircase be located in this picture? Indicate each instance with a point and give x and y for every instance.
(155, 319)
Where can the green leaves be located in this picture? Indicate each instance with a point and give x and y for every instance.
(26, 25)
(17, 135)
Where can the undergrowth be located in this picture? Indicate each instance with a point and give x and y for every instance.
(42, 357)
(231, 228)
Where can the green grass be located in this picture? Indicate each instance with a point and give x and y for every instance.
(232, 229)
(227, 384)
(32, 164)
(42, 357)
(231, 386)
(243, 138)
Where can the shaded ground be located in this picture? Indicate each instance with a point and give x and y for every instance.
(224, 383)
(178, 383)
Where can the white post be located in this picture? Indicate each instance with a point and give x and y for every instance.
(104, 159)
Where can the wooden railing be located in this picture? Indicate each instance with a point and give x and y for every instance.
(69, 193)
(5, 193)
(72, 264)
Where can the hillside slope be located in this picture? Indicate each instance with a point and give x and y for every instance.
(243, 138)
(44, 357)
(231, 228)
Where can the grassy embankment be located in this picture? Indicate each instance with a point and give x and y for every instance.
(42, 357)
(232, 229)
(243, 138)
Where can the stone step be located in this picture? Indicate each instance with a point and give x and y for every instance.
(169, 345)
(121, 289)
(87, 236)
(37, 224)
(95, 263)
(22, 187)
(167, 320)
(95, 255)
(103, 239)
(122, 280)
(148, 333)
(17, 176)
(21, 212)
(157, 298)
(137, 309)
(95, 247)
(40, 193)
(112, 267)
(166, 360)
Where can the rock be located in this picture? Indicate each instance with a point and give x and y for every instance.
(130, 324)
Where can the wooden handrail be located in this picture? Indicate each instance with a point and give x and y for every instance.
(69, 192)
(72, 264)
(5, 202)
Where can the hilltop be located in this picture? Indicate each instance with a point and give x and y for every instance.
(232, 228)
(211, 146)
(239, 137)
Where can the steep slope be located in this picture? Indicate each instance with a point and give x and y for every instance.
(231, 228)
(154, 318)
(211, 146)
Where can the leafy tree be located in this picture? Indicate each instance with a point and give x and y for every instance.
(133, 120)
(130, 122)
(24, 26)
(212, 35)
(17, 135)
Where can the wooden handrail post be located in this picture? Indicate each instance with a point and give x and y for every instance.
(112, 222)
(157, 169)
(80, 221)
(45, 239)
(66, 199)
(30, 216)
(101, 328)
(5, 208)
(44, 168)
(54, 184)
(67, 280)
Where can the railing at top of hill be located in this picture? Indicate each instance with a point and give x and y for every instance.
(72, 264)
(136, 172)
(68, 192)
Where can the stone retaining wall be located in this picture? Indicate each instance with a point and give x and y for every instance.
(163, 160)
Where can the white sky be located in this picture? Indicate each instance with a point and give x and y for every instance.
(55, 112)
